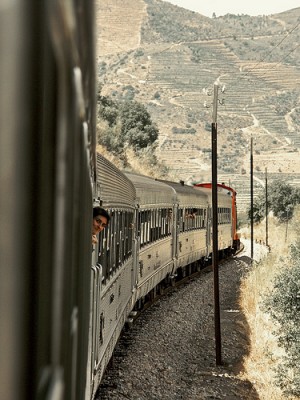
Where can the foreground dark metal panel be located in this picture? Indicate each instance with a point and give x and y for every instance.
(46, 123)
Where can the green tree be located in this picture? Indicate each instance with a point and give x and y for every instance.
(282, 199)
(137, 128)
(259, 209)
(125, 123)
(108, 110)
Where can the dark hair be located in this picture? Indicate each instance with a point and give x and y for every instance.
(100, 211)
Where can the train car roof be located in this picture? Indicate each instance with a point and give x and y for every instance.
(115, 189)
(151, 192)
(187, 195)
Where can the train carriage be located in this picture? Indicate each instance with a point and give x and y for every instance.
(191, 212)
(228, 240)
(113, 279)
(155, 227)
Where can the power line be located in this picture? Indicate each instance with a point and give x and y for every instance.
(278, 44)
(273, 67)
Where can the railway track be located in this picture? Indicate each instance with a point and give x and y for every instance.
(157, 294)
(184, 308)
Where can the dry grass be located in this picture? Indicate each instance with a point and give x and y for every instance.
(265, 354)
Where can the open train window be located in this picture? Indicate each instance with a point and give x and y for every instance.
(145, 221)
(180, 220)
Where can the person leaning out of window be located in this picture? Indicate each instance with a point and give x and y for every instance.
(100, 221)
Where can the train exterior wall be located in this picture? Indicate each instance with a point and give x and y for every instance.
(111, 311)
(192, 246)
(155, 263)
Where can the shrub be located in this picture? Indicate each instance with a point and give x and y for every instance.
(283, 305)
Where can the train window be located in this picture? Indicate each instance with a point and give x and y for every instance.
(145, 228)
(190, 218)
(169, 221)
(121, 249)
(156, 229)
(180, 220)
(123, 236)
(163, 222)
(147, 225)
(118, 240)
(145, 218)
(219, 216)
(142, 217)
(186, 219)
(228, 215)
(200, 218)
(105, 250)
(142, 226)
(159, 233)
(152, 225)
(196, 218)
(128, 230)
(125, 230)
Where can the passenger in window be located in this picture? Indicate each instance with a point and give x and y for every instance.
(191, 213)
(101, 219)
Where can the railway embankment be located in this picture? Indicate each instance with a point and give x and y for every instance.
(170, 353)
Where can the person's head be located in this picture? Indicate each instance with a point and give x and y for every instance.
(100, 220)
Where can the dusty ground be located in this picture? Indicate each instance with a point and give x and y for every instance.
(170, 353)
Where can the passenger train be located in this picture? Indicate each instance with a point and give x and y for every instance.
(159, 232)
(64, 303)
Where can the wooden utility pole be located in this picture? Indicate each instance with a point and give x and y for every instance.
(267, 211)
(215, 227)
(251, 195)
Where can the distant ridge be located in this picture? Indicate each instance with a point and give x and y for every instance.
(168, 58)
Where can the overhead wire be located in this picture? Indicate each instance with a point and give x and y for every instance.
(277, 45)
(279, 62)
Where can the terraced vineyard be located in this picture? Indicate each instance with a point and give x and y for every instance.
(162, 58)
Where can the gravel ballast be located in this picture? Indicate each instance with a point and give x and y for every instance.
(170, 353)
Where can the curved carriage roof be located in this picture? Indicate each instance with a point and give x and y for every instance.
(115, 189)
(151, 192)
(188, 196)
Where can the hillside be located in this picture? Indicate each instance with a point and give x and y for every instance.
(168, 58)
